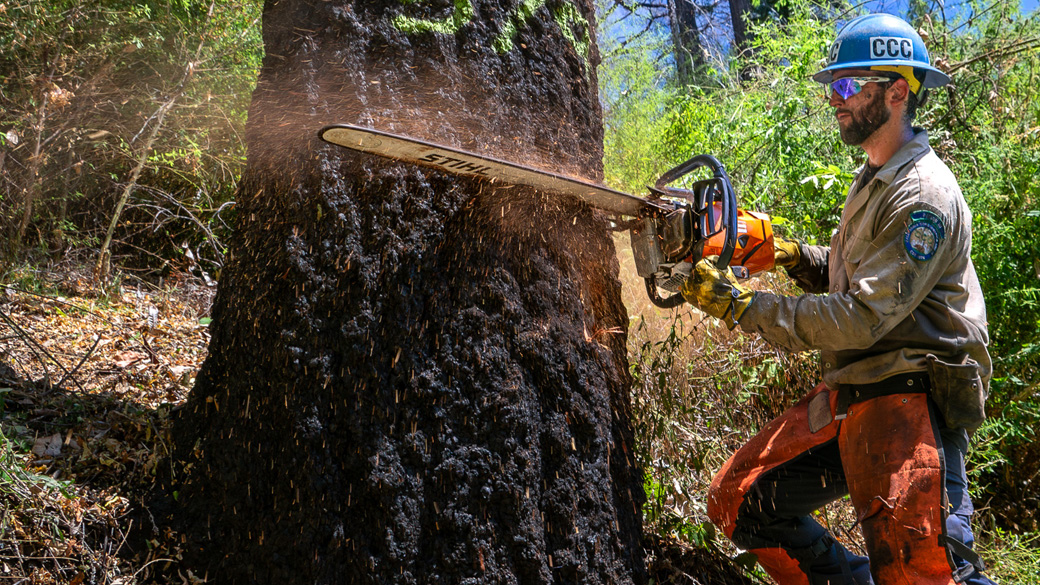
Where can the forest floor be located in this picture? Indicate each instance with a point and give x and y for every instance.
(87, 385)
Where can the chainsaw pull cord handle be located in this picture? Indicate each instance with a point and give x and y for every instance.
(729, 199)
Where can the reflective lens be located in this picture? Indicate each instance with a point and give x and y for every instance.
(847, 87)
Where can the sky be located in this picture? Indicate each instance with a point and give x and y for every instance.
(899, 6)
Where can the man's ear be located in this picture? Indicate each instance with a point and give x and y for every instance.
(900, 89)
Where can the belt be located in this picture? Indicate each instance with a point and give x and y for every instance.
(911, 383)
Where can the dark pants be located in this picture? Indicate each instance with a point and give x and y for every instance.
(904, 472)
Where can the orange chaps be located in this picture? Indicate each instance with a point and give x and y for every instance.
(888, 456)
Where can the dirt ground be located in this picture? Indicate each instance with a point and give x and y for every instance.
(87, 382)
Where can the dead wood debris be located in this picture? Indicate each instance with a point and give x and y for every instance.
(673, 562)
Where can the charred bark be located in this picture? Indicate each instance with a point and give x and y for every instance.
(414, 378)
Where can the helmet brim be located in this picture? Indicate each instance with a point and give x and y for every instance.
(934, 78)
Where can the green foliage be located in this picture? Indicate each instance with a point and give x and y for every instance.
(573, 25)
(987, 130)
(462, 14)
(24, 277)
(635, 113)
(84, 83)
(1015, 425)
(770, 124)
(700, 392)
(821, 196)
(524, 12)
(1011, 558)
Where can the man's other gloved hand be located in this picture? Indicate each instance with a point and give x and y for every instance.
(717, 293)
(787, 253)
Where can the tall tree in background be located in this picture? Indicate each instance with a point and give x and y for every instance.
(414, 377)
(689, 54)
(698, 31)
(685, 39)
(740, 11)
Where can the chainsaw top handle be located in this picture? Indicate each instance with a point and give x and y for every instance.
(729, 199)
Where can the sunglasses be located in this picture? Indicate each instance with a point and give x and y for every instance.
(847, 87)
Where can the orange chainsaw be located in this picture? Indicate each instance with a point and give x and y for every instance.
(671, 229)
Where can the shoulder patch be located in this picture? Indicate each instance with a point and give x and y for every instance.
(925, 232)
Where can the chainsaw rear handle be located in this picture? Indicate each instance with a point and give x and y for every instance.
(729, 200)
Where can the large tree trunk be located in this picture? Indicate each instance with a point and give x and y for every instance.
(415, 378)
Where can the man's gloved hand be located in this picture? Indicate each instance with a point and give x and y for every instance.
(788, 253)
(717, 293)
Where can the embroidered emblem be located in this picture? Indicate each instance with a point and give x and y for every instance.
(924, 234)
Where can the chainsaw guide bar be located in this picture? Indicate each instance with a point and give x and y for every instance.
(461, 162)
(669, 235)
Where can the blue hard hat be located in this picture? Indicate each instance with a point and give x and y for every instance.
(880, 41)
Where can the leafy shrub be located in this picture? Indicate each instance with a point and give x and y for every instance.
(85, 85)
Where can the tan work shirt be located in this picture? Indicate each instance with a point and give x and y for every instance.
(898, 275)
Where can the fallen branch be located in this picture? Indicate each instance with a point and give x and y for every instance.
(89, 353)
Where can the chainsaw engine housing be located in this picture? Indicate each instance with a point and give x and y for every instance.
(667, 244)
(660, 241)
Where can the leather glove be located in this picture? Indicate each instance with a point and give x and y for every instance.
(787, 253)
(717, 293)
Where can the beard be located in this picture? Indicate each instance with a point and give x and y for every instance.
(864, 122)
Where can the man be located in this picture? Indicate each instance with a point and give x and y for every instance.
(902, 331)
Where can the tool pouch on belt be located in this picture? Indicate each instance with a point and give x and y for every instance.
(958, 391)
